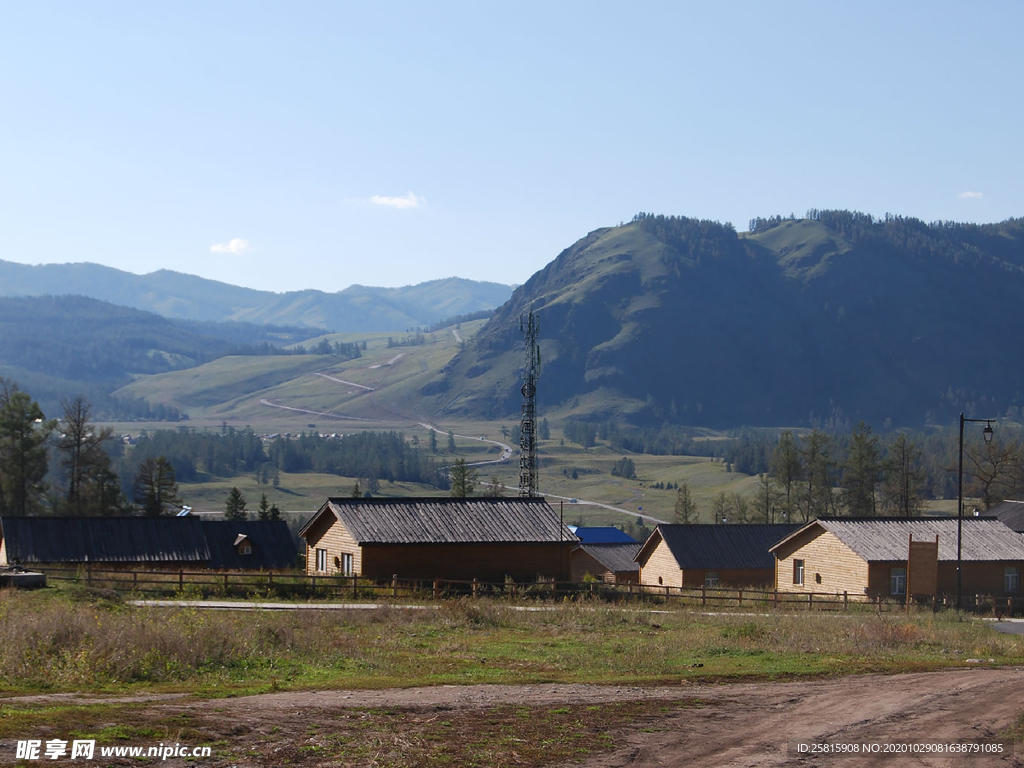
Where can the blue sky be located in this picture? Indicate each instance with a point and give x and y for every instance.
(299, 145)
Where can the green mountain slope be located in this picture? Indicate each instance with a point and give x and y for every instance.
(57, 347)
(673, 319)
(176, 295)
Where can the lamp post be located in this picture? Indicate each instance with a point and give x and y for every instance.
(987, 435)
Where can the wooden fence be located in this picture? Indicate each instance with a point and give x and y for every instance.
(295, 585)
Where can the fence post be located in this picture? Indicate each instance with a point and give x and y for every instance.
(703, 594)
(437, 589)
(846, 601)
(181, 579)
(810, 600)
(135, 581)
(394, 585)
(270, 580)
(475, 587)
(225, 583)
(740, 597)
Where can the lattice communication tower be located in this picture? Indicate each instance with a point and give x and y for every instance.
(528, 424)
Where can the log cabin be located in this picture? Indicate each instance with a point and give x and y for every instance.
(869, 556)
(438, 537)
(682, 555)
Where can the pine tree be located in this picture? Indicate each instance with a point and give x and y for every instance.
(463, 479)
(234, 508)
(155, 489)
(861, 472)
(685, 510)
(903, 478)
(785, 468)
(23, 461)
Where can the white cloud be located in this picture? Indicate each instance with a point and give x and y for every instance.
(409, 201)
(235, 245)
(971, 195)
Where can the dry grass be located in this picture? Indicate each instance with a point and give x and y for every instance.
(73, 640)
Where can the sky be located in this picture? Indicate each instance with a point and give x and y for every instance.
(294, 145)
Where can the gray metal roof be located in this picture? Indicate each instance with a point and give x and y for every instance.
(886, 539)
(104, 539)
(447, 520)
(721, 547)
(1009, 512)
(617, 558)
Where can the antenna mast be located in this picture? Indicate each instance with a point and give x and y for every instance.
(528, 424)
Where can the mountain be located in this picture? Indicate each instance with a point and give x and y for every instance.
(838, 315)
(176, 295)
(56, 347)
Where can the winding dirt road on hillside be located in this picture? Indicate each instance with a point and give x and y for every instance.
(745, 724)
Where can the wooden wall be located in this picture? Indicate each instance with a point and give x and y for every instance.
(327, 533)
(738, 577)
(486, 562)
(839, 567)
(661, 567)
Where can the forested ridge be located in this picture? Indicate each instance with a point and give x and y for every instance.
(682, 321)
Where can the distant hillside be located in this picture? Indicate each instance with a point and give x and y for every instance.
(836, 315)
(56, 347)
(176, 295)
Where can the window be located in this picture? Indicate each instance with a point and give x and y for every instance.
(321, 560)
(1011, 578)
(798, 571)
(347, 568)
(711, 579)
(898, 581)
(245, 549)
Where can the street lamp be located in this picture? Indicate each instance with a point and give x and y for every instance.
(987, 435)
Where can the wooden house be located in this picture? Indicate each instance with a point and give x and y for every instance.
(869, 556)
(605, 553)
(157, 543)
(710, 555)
(438, 537)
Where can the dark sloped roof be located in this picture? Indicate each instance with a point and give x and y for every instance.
(104, 539)
(1010, 513)
(602, 534)
(721, 547)
(446, 520)
(272, 544)
(887, 539)
(617, 558)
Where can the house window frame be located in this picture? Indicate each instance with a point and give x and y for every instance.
(711, 580)
(321, 560)
(348, 564)
(245, 549)
(898, 581)
(1011, 579)
(798, 572)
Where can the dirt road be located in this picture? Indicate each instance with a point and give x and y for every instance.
(744, 724)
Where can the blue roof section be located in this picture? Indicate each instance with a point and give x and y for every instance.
(604, 534)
